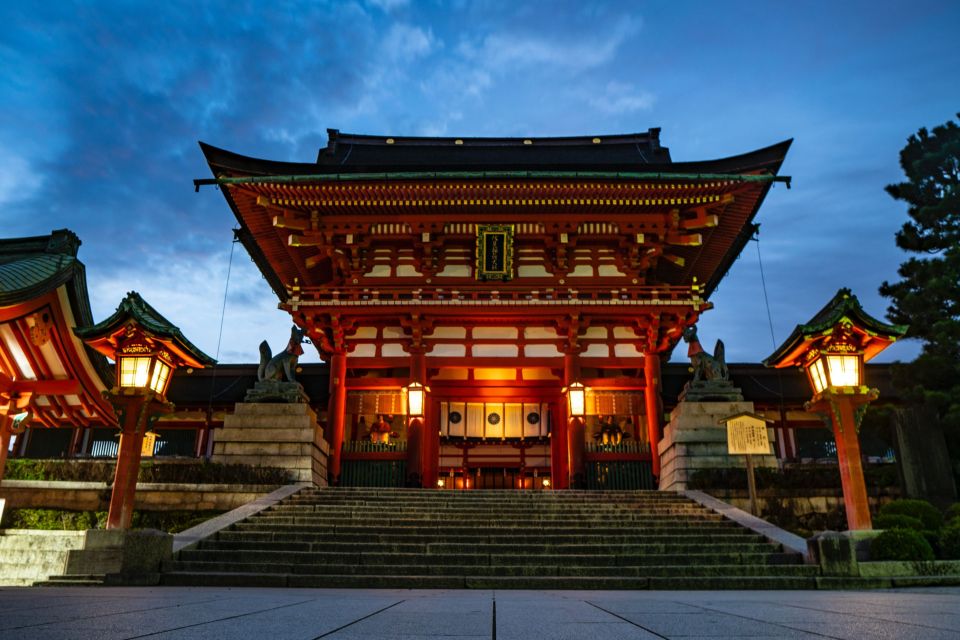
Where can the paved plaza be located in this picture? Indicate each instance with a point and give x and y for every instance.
(77, 613)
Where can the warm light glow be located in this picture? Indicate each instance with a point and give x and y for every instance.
(161, 372)
(441, 483)
(844, 370)
(577, 399)
(546, 483)
(416, 397)
(134, 371)
(817, 375)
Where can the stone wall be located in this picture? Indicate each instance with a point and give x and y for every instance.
(95, 496)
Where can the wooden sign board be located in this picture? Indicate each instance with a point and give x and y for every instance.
(747, 435)
(149, 441)
(494, 251)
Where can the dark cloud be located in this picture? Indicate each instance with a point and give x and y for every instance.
(104, 103)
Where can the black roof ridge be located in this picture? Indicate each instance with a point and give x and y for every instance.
(336, 136)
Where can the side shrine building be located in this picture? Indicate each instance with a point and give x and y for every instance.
(499, 274)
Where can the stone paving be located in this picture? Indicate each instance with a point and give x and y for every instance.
(78, 613)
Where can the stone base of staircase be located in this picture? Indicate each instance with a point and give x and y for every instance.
(398, 538)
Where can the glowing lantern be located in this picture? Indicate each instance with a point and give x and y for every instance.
(416, 399)
(576, 399)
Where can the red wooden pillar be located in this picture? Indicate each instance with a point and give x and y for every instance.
(842, 411)
(559, 447)
(654, 406)
(5, 434)
(428, 436)
(575, 426)
(336, 413)
(135, 412)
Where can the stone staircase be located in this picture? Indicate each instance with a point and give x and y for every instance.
(399, 538)
(28, 556)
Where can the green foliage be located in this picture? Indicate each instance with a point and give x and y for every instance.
(950, 541)
(56, 519)
(927, 297)
(952, 513)
(194, 472)
(897, 521)
(900, 544)
(59, 520)
(922, 510)
(801, 477)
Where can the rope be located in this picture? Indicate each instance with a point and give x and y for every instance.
(223, 313)
(773, 338)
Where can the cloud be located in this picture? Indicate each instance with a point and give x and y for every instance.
(406, 43)
(621, 98)
(510, 50)
(389, 6)
(18, 180)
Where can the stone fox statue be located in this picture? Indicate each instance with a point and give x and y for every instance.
(705, 366)
(285, 362)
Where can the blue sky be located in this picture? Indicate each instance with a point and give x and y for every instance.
(103, 104)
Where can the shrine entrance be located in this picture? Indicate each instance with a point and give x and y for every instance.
(494, 444)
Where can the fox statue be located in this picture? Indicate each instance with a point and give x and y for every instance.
(705, 366)
(284, 364)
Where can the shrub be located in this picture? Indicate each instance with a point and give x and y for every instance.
(191, 472)
(953, 513)
(897, 521)
(900, 544)
(928, 514)
(950, 541)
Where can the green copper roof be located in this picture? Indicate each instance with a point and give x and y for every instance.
(31, 267)
(843, 305)
(133, 307)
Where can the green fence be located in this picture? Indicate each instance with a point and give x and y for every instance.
(372, 472)
(618, 476)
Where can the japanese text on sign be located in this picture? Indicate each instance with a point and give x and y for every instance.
(747, 435)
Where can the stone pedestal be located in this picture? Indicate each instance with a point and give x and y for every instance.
(694, 439)
(284, 435)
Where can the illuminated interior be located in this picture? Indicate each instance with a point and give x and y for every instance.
(844, 370)
(134, 371)
(161, 372)
(817, 375)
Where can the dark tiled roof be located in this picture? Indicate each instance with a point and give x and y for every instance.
(30, 267)
(352, 152)
(136, 308)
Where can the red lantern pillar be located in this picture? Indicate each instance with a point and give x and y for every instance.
(336, 413)
(654, 406)
(136, 411)
(842, 409)
(428, 438)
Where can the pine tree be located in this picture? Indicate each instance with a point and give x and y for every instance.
(928, 295)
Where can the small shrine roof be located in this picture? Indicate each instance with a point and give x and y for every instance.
(843, 305)
(133, 308)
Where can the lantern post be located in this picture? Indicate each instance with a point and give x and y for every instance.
(832, 348)
(147, 349)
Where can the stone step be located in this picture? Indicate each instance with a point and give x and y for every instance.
(490, 548)
(456, 508)
(378, 558)
(78, 580)
(453, 531)
(482, 582)
(494, 537)
(498, 570)
(433, 520)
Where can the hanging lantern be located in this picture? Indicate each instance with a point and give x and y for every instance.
(576, 399)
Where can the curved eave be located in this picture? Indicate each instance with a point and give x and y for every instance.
(225, 163)
(18, 282)
(135, 311)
